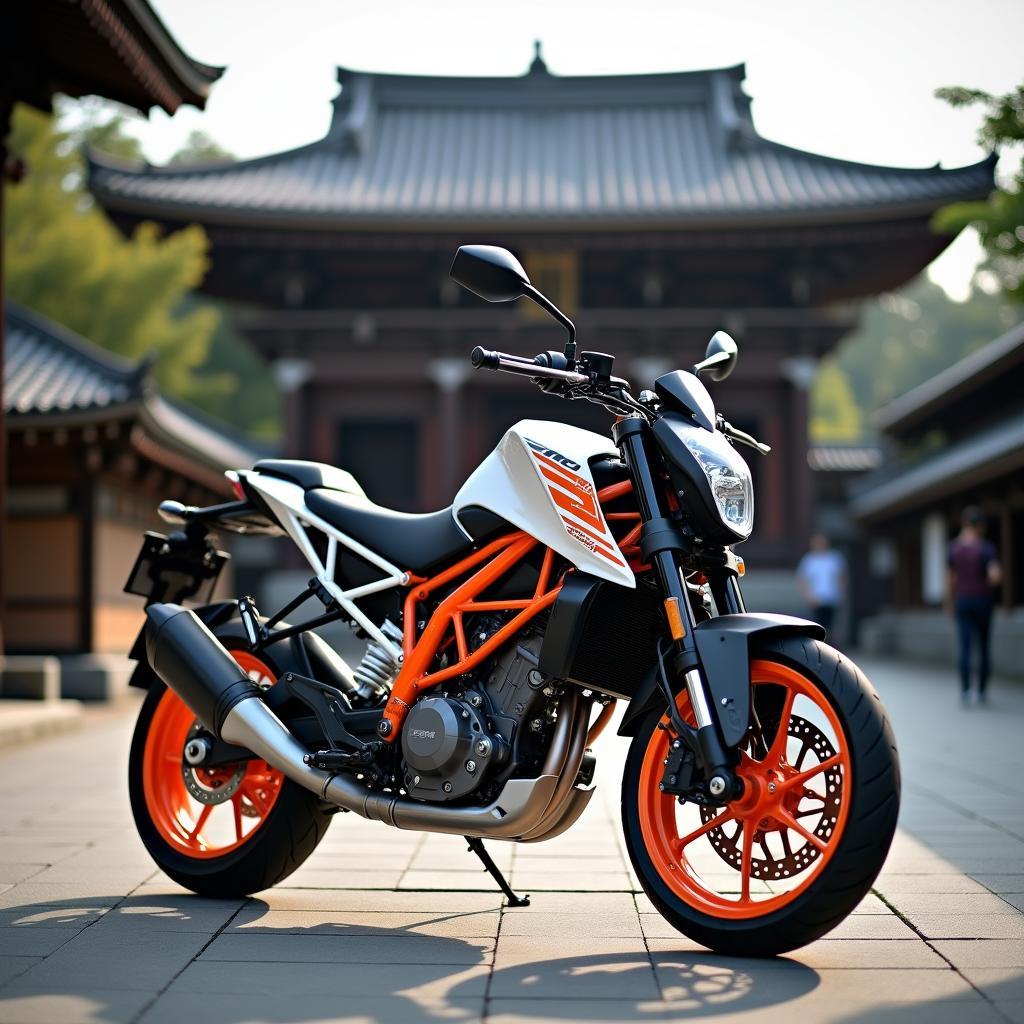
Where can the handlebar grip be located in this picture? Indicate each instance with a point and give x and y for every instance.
(484, 358)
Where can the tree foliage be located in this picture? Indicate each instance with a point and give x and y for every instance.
(1000, 218)
(201, 148)
(66, 260)
(904, 338)
(835, 415)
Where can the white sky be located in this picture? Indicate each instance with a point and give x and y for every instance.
(847, 78)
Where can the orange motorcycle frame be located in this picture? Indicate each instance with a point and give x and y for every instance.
(445, 626)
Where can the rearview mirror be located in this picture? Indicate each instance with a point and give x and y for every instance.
(719, 357)
(490, 272)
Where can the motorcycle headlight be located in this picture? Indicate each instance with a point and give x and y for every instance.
(728, 477)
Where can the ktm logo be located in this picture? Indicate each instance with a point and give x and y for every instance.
(574, 497)
(553, 455)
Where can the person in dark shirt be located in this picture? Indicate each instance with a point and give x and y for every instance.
(974, 571)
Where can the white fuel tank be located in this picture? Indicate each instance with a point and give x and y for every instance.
(539, 479)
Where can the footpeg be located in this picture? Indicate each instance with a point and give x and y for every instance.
(329, 760)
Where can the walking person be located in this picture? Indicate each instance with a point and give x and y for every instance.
(821, 576)
(974, 572)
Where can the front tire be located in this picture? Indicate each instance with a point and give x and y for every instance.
(250, 827)
(820, 802)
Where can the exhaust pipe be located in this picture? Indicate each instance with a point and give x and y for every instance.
(195, 665)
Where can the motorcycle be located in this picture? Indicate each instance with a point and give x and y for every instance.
(573, 570)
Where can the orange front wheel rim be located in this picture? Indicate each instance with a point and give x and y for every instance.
(762, 851)
(233, 801)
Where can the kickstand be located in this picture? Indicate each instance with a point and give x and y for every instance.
(477, 847)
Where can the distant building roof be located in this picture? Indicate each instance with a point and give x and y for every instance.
(988, 454)
(115, 48)
(928, 401)
(672, 149)
(54, 377)
(835, 458)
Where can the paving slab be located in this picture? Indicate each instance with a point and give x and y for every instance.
(111, 1006)
(328, 945)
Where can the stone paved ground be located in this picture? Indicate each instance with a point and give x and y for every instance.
(383, 926)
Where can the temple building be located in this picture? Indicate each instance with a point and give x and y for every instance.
(119, 49)
(646, 206)
(94, 448)
(955, 440)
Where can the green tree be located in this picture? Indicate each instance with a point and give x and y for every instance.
(66, 260)
(200, 148)
(1000, 218)
(133, 296)
(835, 415)
(904, 338)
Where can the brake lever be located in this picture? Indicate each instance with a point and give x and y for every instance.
(743, 437)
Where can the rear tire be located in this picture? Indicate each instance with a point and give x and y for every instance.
(284, 836)
(849, 850)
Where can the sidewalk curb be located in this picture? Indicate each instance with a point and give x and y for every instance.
(22, 721)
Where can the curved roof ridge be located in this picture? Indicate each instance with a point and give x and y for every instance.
(96, 160)
(737, 71)
(52, 330)
(988, 161)
(194, 74)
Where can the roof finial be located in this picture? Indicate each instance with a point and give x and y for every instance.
(537, 66)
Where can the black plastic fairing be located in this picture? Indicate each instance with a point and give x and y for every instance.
(565, 626)
(688, 477)
(681, 391)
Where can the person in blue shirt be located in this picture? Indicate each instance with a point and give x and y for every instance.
(821, 576)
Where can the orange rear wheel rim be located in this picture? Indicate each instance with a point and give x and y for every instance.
(792, 809)
(189, 826)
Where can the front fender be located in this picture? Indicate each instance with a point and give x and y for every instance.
(723, 644)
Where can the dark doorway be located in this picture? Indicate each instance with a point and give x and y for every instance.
(383, 455)
(503, 411)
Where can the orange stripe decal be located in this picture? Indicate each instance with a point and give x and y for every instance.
(581, 515)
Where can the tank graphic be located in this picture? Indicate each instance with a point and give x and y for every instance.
(538, 478)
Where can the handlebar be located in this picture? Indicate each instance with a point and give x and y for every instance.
(597, 385)
(485, 359)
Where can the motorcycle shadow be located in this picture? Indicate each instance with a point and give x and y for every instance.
(158, 958)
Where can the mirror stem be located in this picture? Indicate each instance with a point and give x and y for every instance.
(545, 303)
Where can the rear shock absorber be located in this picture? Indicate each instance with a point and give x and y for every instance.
(378, 667)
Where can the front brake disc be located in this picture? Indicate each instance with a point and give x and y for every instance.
(773, 864)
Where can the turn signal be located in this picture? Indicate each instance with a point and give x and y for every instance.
(741, 567)
(675, 618)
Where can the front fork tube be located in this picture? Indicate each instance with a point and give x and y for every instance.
(712, 754)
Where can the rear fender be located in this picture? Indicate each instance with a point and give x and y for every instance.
(723, 644)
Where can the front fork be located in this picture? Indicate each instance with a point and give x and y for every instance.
(660, 544)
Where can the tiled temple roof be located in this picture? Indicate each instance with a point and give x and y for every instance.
(54, 378)
(601, 149)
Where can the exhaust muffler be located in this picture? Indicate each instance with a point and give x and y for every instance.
(195, 665)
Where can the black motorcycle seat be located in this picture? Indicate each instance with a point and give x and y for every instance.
(408, 540)
(310, 474)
